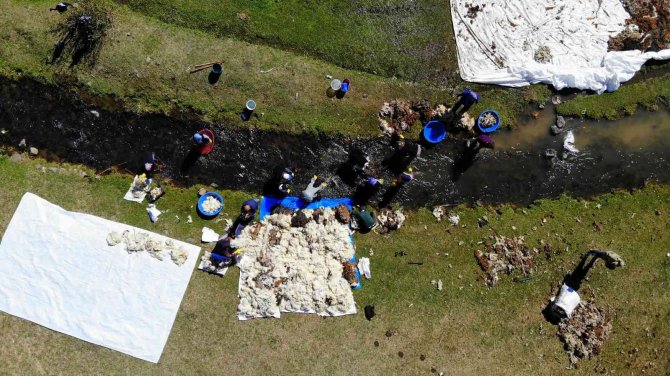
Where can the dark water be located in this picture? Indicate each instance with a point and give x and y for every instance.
(620, 154)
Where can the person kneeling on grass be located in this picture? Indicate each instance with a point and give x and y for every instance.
(223, 255)
(364, 220)
(247, 214)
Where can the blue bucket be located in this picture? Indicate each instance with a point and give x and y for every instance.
(201, 201)
(434, 131)
(491, 128)
(217, 69)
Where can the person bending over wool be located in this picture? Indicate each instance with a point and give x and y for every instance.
(311, 193)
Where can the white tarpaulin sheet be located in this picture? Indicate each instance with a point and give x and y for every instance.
(57, 270)
(497, 44)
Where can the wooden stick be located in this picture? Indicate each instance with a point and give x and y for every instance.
(201, 68)
(202, 65)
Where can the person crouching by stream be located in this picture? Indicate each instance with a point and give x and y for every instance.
(472, 148)
(466, 99)
(478, 143)
(367, 189)
(395, 186)
(247, 214)
(311, 193)
(280, 182)
(203, 141)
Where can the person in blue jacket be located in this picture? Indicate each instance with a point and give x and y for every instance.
(465, 99)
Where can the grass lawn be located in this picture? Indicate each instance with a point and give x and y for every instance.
(464, 329)
(410, 40)
(144, 66)
(625, 101)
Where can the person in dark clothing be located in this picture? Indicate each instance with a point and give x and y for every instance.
(223, 254)
(365, 220)
(279, 183)
(408, 148)
(465, 100)
(247, 214)
(284, 178)
(61, 7)
(359, 160)
(356, 164)
(150, 165)
(367, 189)
(405, 153)
(472, 148)
(480, 142)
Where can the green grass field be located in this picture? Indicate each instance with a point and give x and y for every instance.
(466, 329)
(144, 67)
(144, 64)
(647, 94)
(410, 40)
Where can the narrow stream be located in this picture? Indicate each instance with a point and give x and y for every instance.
(619, 154)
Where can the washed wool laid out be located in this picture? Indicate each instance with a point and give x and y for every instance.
(293, 263)
(91, 278)
(561, 43)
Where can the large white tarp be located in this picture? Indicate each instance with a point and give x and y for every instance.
(498, 43)
(57, 270)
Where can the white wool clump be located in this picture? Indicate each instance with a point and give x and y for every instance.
(154, 247)
(114, 238)
(295, 269)
(179, 255)
(454, 219)
(440, 110)
(390, 220)
(211, 204)
(438, 212)
(140, 241)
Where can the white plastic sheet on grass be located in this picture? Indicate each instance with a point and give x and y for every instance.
(498, 45)
(57, 270)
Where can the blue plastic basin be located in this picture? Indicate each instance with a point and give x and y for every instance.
(491, 128)
(434, 131)
(202, 199)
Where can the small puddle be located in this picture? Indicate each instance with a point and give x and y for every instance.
(644, 130)
(619, 154)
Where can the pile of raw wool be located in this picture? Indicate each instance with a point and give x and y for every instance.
(396, 117)
(293, 263)
(141, 241)
(505, 255)
(585, 332)
(390, 220)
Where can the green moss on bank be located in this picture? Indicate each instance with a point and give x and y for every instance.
(625, 101)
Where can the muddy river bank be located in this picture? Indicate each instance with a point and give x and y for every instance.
(619, 154)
